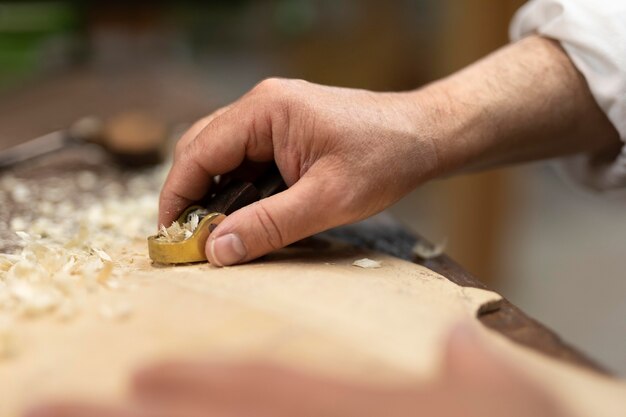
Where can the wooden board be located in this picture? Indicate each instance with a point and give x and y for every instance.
(380, 233)
(307, 307)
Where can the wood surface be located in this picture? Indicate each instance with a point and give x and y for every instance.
(261, 311)
(387, 235)
(380, 233)
(306, 307)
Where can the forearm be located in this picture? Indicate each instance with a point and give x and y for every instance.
(524, 102)
(366, 150)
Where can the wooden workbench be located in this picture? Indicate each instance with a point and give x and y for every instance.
(387, 235)
(380, 233)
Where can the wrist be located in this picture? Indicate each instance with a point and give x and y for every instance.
(524, 102)
(446, 125)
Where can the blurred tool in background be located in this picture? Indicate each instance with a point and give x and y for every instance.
(134, 139)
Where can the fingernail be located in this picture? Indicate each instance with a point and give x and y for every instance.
(227, 250)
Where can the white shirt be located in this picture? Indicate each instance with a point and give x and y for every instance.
(593, 33)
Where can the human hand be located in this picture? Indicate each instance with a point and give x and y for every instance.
(474, 383)
(344, 154)
(347, 154)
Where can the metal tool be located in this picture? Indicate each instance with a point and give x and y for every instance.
(85, 130)
(132, 138)
(230, 195)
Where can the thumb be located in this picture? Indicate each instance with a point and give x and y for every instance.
(270, 224)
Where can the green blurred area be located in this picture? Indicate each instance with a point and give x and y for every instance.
(329, 41)
(35, 35)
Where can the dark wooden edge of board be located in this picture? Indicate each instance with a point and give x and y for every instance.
(382, 233)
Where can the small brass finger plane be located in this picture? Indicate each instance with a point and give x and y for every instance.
(196, 223)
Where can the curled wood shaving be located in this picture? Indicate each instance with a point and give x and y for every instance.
(177, 232)
(367, 263)
(102, 254)
(429, 251)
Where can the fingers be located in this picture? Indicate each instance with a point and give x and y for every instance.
(77, 410)
(255, 230)
(197, 127)
(212, 383)
(465, 353)
(221, 145)
(266, 390)
(485, 379)
(467, 357)
(246, 389)
(137, 409)
(93, 410)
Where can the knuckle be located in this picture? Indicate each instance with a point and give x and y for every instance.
(180, 146)
(272, 234)
(170, 198)
(192, 155)
(280, 91)
(191, 133)
(196, 147)
(271, 85)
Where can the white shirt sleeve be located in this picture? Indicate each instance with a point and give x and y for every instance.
(593, 33)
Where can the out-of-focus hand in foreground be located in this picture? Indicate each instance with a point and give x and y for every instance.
(347, 154)
(474, 383)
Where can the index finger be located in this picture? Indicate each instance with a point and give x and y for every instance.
(220, 147)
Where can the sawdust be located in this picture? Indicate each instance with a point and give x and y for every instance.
(65, 245)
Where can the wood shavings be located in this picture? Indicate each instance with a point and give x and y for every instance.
(177, 232)
(65, 244)
(116, 311)
(428, 251)
(367, 263)
(102, 254)
(34, 300)
(105, 273)
(23, 235)
(66, 248)
(174, 233)
(20, 193)
(43, 277)
(18, 223)
(86, 180)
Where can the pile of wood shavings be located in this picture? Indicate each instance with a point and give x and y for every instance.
(46, 277)
(64, 245)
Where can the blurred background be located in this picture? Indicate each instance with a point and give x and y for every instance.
(553, 250)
